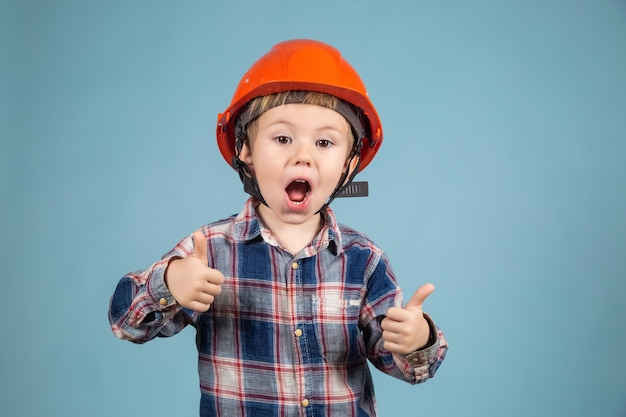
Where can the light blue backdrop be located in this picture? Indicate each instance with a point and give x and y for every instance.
(502, 179)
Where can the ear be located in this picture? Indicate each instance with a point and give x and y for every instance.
(350, 166)
(246, 155)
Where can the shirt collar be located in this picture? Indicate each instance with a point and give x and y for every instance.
(247, 226)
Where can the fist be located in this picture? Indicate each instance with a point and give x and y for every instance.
(192, 283)
(405, 329)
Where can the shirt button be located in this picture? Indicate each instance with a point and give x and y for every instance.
(294, 265)
(305, 403)
(163, 301)
(298, 332)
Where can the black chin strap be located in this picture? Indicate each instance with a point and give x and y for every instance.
(250, 184)
(347, 176)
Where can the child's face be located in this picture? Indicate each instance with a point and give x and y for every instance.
(298, 154)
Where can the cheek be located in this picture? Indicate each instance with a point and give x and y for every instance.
(333, 173)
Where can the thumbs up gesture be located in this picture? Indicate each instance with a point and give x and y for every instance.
(405, 329)
(192, 283)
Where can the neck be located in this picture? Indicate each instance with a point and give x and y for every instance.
(292, 236)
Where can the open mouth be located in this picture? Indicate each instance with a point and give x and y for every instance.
(297, 190)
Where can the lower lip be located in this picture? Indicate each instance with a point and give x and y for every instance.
(297, 206)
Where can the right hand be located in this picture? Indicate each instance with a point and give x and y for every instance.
(192, 283)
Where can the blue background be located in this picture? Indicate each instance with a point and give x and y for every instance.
(501, 180)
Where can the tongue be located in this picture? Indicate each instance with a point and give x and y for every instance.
(297, 191)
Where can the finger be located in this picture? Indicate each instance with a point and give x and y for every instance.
(391, 337)
(204, 298)
(395, 315)
(199, 246)
(394, 346)
(198, 306)
(214, 276)
(212, 289)
(420, 296)
(401, 323)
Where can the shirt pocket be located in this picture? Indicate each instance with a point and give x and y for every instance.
(336, 324)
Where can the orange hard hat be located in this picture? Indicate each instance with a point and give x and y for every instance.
(308, 65)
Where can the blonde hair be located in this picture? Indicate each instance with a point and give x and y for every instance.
(260, 105)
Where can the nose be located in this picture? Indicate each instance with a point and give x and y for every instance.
(302, 154)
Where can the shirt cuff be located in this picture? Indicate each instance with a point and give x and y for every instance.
(421, 358)
(157, 288)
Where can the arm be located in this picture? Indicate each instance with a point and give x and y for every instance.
(143, 308)
(425, 361)
(163, 299)
(402, 342)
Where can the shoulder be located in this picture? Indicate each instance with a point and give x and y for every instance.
(241, 226)
(349, 237)
(352, 238)
(365, 258)
(221, 225)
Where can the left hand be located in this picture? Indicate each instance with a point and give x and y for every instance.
(405, 330)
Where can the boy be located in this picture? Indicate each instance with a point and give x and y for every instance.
(288, 304)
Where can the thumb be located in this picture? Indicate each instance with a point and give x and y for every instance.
(199, 246)
(420, 296)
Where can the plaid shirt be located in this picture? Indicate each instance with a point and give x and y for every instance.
(289, 335)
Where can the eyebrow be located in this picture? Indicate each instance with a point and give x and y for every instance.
(338, 128)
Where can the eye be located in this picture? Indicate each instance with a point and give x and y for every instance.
(283, 140)
(324, 143)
